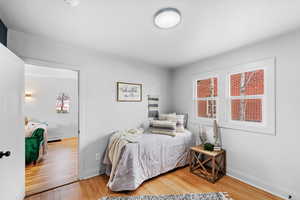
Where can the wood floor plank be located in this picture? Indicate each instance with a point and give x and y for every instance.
(179, 181)
(59, 166)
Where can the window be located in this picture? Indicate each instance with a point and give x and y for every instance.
(241, 97)
(247, 95)
(206, 97)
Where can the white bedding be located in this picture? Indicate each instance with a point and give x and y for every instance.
(151, 156)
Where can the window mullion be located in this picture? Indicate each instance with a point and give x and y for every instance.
(206, 88)
(248, 97)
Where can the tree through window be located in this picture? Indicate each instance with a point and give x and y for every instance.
(207, 93)
(247, 94)
(63, 103)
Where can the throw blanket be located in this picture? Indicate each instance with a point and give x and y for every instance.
(30, 128)
(152, 155)
(116, 144)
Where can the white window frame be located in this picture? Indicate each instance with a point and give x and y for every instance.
(262, 97)
(205, 120)
(223, 100)
(267, 126)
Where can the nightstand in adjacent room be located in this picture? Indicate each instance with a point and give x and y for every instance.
(210, 165)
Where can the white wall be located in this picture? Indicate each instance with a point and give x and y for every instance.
(98, 76)
(271, 162)
(46, 84)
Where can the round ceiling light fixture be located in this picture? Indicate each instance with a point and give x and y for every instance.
(72, 3)
(167, 18)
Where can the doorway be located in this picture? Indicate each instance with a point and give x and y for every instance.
(51, 121)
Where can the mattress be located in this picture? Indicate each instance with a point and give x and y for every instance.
(151, 156)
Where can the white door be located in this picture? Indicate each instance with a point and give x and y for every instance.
(12, 168)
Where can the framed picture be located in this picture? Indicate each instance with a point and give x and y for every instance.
(63, 103)
(129, 92)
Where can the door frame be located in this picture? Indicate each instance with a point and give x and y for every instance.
(81, 102)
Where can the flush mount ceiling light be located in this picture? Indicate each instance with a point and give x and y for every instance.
(167, 18)
(72, 3)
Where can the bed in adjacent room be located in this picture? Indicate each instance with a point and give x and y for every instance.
(148, 156)
(36, 134)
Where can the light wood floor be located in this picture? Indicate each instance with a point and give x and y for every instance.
(177, 182)
(60, 166)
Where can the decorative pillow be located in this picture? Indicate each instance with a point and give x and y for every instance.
(163, 127)
(163, 131)
(185, 119)
(166, 116)
(180, 123)
(163, 124)
(172, 118)
(179, 120)
(145, 125)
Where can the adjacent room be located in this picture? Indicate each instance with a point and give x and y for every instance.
(149, 100)
(51, 118)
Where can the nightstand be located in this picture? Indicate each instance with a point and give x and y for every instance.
(210, 165)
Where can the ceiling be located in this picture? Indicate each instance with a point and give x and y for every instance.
(47, 72)
(125, 28)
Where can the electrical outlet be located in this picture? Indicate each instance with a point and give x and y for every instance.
(97, 156)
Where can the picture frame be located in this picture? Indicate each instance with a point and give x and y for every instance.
(129, 92)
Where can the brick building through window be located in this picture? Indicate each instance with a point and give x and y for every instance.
(240, 97)
(207, 92)
(246, 93)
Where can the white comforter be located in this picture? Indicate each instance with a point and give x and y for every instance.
(150, 156)
(116, 144)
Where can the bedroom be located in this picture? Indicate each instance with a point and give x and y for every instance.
(125, 46)
(51, 104)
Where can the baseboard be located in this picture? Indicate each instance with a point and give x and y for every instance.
(90, 173)
(233, 173)
(260, 184)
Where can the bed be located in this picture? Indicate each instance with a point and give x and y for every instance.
(30, 127)
(151, 156)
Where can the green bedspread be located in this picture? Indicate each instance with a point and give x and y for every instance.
(32, 145)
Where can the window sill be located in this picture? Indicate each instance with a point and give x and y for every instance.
(250, 129)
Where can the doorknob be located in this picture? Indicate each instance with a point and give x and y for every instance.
(7, 154)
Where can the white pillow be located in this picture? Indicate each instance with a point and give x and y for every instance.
(166, 116)
(163, 131)
(28, 131)
(164, 127)
(163, 124)
(179, 120)
(145, 125)
(180, 123)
